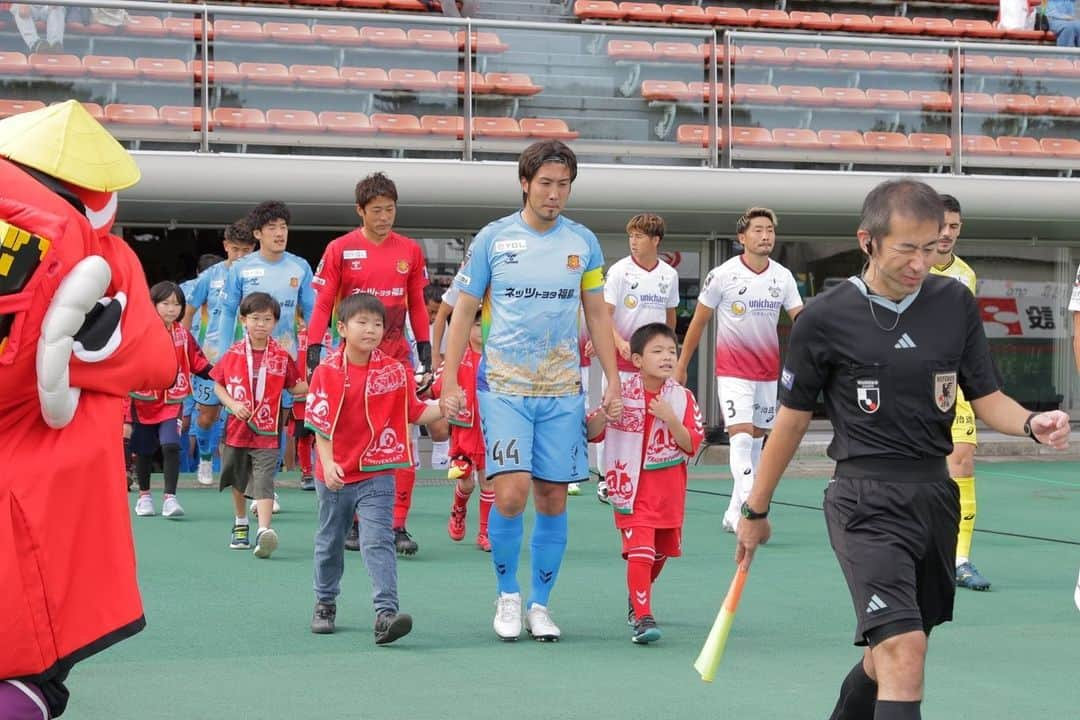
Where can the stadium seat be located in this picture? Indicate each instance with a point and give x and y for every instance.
(265, 73)
(366, 78)
(73, 27)
(932, 62)
(1014, 65)
(547, 128)
(692, 135)
(434, 40)
(363, 4)
(482, 42)
(121, 68)
(630, 50)
(972, 63)
(856, 23)
(980, 145)
(1029, 35)
(851, 58)
(729, 16)
(300, 121)
(888, 141)
(935, 143)
(164, 69)
(14, 107)
(777, 19)
(416, 80)
(512, 84)
(894, 99)
(242, 30)
(189, 118)
(1056, 105)
(317, 76)
(1016, 103)
(56, 65)
(345, 123)
(751, 137)
(456, 79)
(643, 12)
(756, 94)
(397, 124)
(287, 32)
(664, 90)
(807, 57)
(1020, 146)
(978, 102)
(892, 60)
(842, 139)
(385, 37)
(222, 72)
(761, 55)
(798, 139)
(687, 14)
(500, 127)
(145, 25)
(977, 28)
(1057, 66)
(185, 27)
(239, 119)
(406, 6)
(120, 114)
(336, 35)
(932, 100)
(1061, 147)
(801, 95)
(13, 63)
(846, 97)
(597, 10)
(681, 51)
(940, 27)
(701, 91)
(818, 21)
(450, 125)
(94, 110)
(896, 25)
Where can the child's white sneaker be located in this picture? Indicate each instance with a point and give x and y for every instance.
(171, 508)
(508, 616)
(206, 472)
(255, 506)
(266, 542)
(144, 506)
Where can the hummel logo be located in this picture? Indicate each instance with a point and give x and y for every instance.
(642, 596)
(905, 343)
(545, 576)
(876, 604)
(500, 568)
(629, 533)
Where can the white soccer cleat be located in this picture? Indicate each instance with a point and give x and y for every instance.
(1076, 594)
(171, 508)
(266, 542)
(277, 505)
(602, 492)
(540, 625)
(508, 616)
(144, 506)
(206, 472)
(573, 489)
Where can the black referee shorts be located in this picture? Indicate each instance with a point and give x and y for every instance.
(896, 544)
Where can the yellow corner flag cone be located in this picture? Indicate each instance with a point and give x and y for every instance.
(712, 652)
(64, 141)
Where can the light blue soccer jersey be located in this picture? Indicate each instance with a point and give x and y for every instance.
(288, 281)
(531, 284)
(205, 297)
(188, 288)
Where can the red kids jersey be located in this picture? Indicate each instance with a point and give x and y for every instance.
(393, 271)
(229, 371)
(466, 434)
(154, 406)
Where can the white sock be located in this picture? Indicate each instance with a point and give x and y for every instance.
(440, 451)
(755, 453)
(741, 451)
(242, 520)
(960, 560)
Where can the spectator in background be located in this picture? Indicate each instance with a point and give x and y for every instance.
(1062, 18)
(27, 15)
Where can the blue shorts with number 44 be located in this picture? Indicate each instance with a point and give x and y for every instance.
(543, 436)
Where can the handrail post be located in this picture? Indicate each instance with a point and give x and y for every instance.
(729, 52)
(204, 126)
(468, 50)
(712, 135)
(957, 115)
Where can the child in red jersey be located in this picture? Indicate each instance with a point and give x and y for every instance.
(360, 404)
(467, 447)
(155, 414)
(305, 439)
(249, 381)
(645, 466)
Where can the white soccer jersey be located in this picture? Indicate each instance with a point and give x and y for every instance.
(639, 297)
(747, 306)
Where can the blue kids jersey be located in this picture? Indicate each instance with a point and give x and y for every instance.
(288, 281)
(205, 297)
(531, 284)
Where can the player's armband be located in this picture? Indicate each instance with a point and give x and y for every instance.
(592, 279)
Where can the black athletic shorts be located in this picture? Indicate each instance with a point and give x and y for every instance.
(895, 539)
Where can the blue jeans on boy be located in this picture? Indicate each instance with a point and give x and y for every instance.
(373, 503)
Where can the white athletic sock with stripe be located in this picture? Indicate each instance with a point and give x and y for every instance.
(755, 453)
(741, 449)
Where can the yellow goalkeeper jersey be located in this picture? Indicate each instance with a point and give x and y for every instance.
(958, 270)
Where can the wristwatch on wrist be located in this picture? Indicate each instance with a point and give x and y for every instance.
(753, 515)
(1027, 428)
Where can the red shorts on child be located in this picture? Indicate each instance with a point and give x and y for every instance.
(663, 541)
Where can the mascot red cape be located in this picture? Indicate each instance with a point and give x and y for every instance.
(77, 332)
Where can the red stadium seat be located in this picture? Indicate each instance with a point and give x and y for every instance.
(932, 100)
(846, 97)
(892, 59)
(265, 73)
(798, 139)
(163, 69)
(1056, 105)
(664, 90)
(416, 80)
(455, 79)
(15, 107)
(1056, 66)
(482, 42)
(222, 72)
(366, 78)
(761, 55)
(896, 25)
(185, 27)
(92, 28)
(702, 91)
(406, 6)
(597, 10)
(345, 123)
(980, 145)
(932, 62)
(977, 28)
(692, 135)
(842, 139)
(512, 84)
(189, 118)
(819, 21)
(681, 52)
(643, 12)
(978, 102)
(1061, 147)
(385, 37)
(547, 128)
(807, 57)
(888, 141)
(630, 50)
(778, 19)
(145, 25)
(1017, 104)
(317, 76)
(894, 99)
(751, 137)
(972, 63)
(851, 58)
(729, 16)
(756, 94)
(856, 23)
(13, 63)
(144, 115)
(242, 30)
(942, 27)
(1032, 35)
(501, 127)
(935, 143)
(450, 125)
(801, 95)
(110, 67)
(94, 110)
(435, 40)
(1015, 65)
(239, 119)
(336, 35)
(300, 121)
(687, 14)
(1020, 146)
(397, 124)
(364, 4)
(286, 32)
(56, 65)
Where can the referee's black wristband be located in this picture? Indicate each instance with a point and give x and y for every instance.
(1027, 428)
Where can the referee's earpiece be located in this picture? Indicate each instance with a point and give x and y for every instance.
(868, 247)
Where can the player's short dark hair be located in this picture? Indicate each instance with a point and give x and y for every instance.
(267, 212)
(908, 197)
(433, 293)
(360, 303)
(373, 186)
(743, 223)
(951, 204)
(260, 302)
(647, 223)
(162, 291)
(545, 151)
(644, 334)
(239, 232)
(208, 260)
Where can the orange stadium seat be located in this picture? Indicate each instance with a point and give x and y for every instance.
(265, 73)
(856, 23)
(819, 21)
(630, 50)
(336, 35)
(243, 30)
(977, 28)
(887, 141)
(397, 124)
(500, 127)
(93, 28)
(450, 125)
(222, 72)
(56, 65)
(345, 123)
(664, 90)
(512, 84)
(482, 42)
(456, 79)
(14, 107)
(681, 51)
(801, 95)
(1016, 103)
(302, 121)
(597, 10)
(942, 27)
(761, 55)
(1056, 66)
(936, 143)
(980, 145)
(778, 19)
(932, 100)
(366, 78)
(851, 58)
(1014, 65)
(165, 69)
(798, 139)
(729, 16)
(846, 97)
(239, 119)
(1061, 147)
(364, 4)
(386, 37)
(892, 59)
(807, 57)
(317, 76)
(94, 110)
(842, 139)
(751, 137)
(1036, 35)
(145, 115)
(416, 80)
(189, 118)
(702, 91)
(972, 63)
(687, 14)
(932, 62)
(547, 128)
(145, 25)
(436, 40)
(896, 99)
(643, 12)
(13, 63)
(1020, 146)
(757, 94)
(896, 25)
(1056, 105)
(185, 27)
(122, 68)
(692, 135)
(287, 32)
(978, 102)
(406, 6)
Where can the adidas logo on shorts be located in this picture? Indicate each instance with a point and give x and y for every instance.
(876, 604)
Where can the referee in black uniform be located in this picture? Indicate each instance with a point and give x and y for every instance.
(888, 350)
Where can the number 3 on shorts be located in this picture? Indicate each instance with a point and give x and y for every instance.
(730, 408)
(501, 454)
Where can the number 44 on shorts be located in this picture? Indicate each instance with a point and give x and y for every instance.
(501, 454)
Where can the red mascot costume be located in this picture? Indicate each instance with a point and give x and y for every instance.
(77, 332)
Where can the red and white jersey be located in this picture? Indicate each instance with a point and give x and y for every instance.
(639, 297)
(747, 306)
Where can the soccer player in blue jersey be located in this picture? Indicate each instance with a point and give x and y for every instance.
(197, 329)
(201, 319)
(533, 270)
(272, 270)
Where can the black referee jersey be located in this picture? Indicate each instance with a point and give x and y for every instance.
(889, 371)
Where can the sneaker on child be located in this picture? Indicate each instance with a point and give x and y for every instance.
(206, 472)
(352, 539)
(239, 539)
(403, 542)
(171, 507)
(602, 492)
(266, 542)
(322, 620)
(645, 631)
(144, 506)
(456, 526)
(483, 542)
(391, 626)
(307, 483)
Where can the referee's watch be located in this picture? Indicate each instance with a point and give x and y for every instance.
(1027, 428)
(751, 514)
